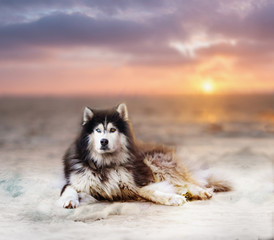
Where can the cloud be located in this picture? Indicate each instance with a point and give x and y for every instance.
(16, 11)
(63, 29)
(179, 34)
(256, 25)
(107, 5)
(61, 24)
(143, 40)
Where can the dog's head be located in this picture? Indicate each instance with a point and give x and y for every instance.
(106, 129)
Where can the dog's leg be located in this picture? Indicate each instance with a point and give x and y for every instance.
(69, 197)
(195, 192)
(161, 193)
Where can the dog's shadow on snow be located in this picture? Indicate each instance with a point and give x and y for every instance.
(102, 210)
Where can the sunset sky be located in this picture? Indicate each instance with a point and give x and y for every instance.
(132, 47)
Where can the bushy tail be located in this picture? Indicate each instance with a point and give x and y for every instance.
(219, 185)
(207, 176)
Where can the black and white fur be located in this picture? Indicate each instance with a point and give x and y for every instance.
(106, 163)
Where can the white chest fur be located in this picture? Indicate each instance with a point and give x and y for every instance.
(116, 183)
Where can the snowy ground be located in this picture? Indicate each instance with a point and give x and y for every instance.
(31, 147)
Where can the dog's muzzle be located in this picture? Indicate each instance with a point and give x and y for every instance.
(104, 144)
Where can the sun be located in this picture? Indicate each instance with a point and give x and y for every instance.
(208, 87)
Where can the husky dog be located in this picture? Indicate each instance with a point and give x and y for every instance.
(107, 163)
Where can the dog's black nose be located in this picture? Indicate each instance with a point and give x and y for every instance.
(104, 142)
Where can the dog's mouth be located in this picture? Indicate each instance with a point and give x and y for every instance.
(104, 148)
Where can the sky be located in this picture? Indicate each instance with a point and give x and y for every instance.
(135, 47)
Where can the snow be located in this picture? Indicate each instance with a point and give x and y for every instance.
(31, 178)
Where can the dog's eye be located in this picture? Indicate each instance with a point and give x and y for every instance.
(112, 130)
(98, 130)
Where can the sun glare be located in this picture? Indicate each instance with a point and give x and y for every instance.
(208, 87)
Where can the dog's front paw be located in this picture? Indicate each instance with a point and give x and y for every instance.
(176, 200)
(69, 198)
(71, 203)
(203, 194)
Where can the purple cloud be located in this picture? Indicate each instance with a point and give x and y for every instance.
(108, 25)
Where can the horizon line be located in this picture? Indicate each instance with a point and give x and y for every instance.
(115, 95)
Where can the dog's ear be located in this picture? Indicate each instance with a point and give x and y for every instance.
(122, 110)
(88, 114)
